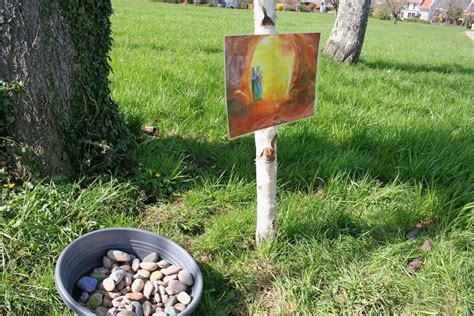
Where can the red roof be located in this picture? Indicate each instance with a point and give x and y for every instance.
(426, 4)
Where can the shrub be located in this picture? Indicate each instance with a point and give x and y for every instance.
(417, 20)
(280, 6)
(303, 8)
(312, 7)
(288, 7)
(381, 13)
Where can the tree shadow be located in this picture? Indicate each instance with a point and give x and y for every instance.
(219, 297)
(429, 156)
(416, 68)
(432, 158)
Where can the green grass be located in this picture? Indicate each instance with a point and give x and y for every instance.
(392, 143)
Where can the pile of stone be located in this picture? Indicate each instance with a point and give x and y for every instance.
(126, 286)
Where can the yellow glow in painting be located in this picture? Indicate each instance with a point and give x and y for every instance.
(276, 67)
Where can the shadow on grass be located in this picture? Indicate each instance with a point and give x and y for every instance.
(432, 158)
(435, 157)
(219, 296)
(416, 68)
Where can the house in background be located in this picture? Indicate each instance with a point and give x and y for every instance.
(410, 10)
(426, 9)
(418, 9)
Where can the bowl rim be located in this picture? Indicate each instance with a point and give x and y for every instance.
(72, 303)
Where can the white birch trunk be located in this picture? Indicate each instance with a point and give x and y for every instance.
(265, 143)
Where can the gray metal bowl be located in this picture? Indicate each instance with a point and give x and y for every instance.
(86, 252)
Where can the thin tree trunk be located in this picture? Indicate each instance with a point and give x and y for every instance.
(348, 32)
(266, 143)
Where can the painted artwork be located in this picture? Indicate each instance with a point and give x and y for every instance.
(270, 80)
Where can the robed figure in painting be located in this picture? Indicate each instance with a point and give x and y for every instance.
(257, 91)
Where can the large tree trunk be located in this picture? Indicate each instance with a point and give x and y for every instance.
(347, 36)
(265, 143)
(58, 50)
(25, 56)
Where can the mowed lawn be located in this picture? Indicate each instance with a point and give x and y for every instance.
(391, 148)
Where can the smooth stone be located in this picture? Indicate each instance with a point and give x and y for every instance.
(117, 276)
(184, 298)
(148, 289)
(129, 307)
(157, 298)
(137, 307)
(152, 257)
(137, 285)
(149, 266)
(171, 300)
(168, 278)
(118, 255)
(87, 284)
(180, 307)
(118, 299)
(163, 264)
(101, 311)
(112, 295)
(169, 291)
(171, 270)
(170, 310)
(147, 308)
(95, 300)
(106, 302)
(120, 285)
(84, 297)
(164, 297)
(112, 311)
(159, 313)
(162, 289)
(135, 265)
(126, 313)
(128, 279)
(176, 286)
(101, 270)
(108, 284)
(157, 275)
(107, 262)
(143, 274)
(136, 296)
(100, 287)
(98, 276)
(185, 277)
(125, 267)
(126, 289)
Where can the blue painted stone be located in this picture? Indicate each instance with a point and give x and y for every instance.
(87, 284)
(138, 308)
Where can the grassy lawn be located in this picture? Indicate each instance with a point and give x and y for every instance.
(391, 145)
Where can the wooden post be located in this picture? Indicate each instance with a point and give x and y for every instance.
(265, 143)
